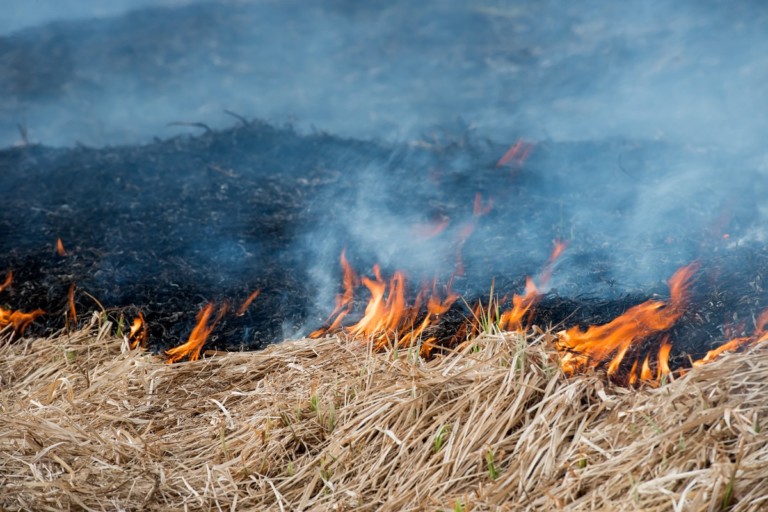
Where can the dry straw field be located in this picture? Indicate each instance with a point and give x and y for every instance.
(87, 424)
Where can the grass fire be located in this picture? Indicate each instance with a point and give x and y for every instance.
(455, 256)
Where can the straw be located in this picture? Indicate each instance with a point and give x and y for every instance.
(86, 423)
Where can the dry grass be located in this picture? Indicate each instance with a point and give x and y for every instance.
(327, 425)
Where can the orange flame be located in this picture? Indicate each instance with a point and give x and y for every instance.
(546, 274)
(733, 344)
(197, 338)
(580, 350)
(343, 301)
(560, 247)
(644, 374)
(60, 248)
(387, 316)
(247, 302)
(389, 319)
(384, 311)
(139, 334)
(7, 282)
(664, 350)
(20, 321)
(516, 154)
(478, 210)
(435, 305)
(72, 315)
(760, 335)
(430, 230)
(513, 319)
(762, 326)
(464, 234)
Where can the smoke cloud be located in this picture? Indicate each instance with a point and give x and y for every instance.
(689, 72)
(646, 119)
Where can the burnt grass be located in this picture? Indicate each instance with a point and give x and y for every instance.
(167, 227)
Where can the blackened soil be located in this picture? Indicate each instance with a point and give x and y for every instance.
(167, 227)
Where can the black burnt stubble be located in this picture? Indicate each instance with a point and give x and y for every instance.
(168, 227)
(171, 225)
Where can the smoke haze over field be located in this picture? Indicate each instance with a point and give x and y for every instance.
(21, 14)
(646, 120)
(688, 72)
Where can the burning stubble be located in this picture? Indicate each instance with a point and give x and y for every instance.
(559, 147)
(389, 321)
(17, 320)
(517, 191)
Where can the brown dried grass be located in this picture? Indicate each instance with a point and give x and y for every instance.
(327, 425)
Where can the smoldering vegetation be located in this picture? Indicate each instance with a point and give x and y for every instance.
(164, 157)
(639, 121)
(166, 228)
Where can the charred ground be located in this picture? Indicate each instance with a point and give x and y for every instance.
(167, 227)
